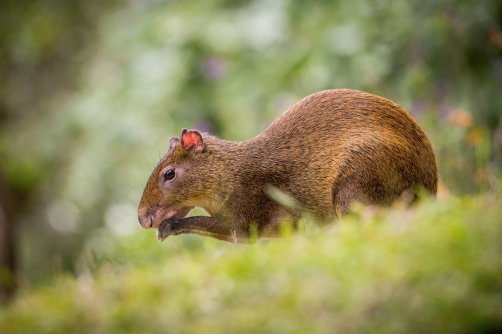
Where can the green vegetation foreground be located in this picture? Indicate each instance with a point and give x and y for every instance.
(435, 269)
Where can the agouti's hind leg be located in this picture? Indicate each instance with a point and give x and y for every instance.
(347, 191)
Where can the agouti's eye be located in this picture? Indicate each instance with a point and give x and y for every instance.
(169, 174)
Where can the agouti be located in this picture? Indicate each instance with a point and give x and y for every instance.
(329, 150)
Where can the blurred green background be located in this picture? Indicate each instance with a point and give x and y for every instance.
(91, 92)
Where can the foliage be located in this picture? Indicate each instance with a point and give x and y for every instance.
(434, 269)
(92, 91)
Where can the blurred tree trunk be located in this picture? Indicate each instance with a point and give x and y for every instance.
(7, 249)
(43, 46)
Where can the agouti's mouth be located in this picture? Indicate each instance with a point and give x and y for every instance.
(181, 213)
(153, 216)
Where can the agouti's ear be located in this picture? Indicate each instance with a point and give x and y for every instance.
(192, 140)
(173, 142)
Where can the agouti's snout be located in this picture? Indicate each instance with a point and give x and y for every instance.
(152, 216)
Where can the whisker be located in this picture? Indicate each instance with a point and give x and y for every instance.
(151, 156)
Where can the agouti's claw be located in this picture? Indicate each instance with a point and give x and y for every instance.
(159, 237)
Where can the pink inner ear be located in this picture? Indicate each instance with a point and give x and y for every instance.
(191, 139)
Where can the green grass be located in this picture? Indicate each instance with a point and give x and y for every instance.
(434, 269)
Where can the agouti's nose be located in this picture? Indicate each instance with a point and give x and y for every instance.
(146, 217)
(145, 221)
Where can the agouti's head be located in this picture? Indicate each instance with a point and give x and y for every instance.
(176, 184)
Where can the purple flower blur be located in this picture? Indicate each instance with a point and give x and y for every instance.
(214, 68)
(203, 126)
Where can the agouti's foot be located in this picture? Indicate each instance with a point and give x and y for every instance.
(165, 229)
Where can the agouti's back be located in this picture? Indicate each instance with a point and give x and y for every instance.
(344, 145)
(329, 150)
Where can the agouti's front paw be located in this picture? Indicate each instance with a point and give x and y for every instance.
(165, 229)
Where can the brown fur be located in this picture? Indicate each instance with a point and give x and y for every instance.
(329, 150)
